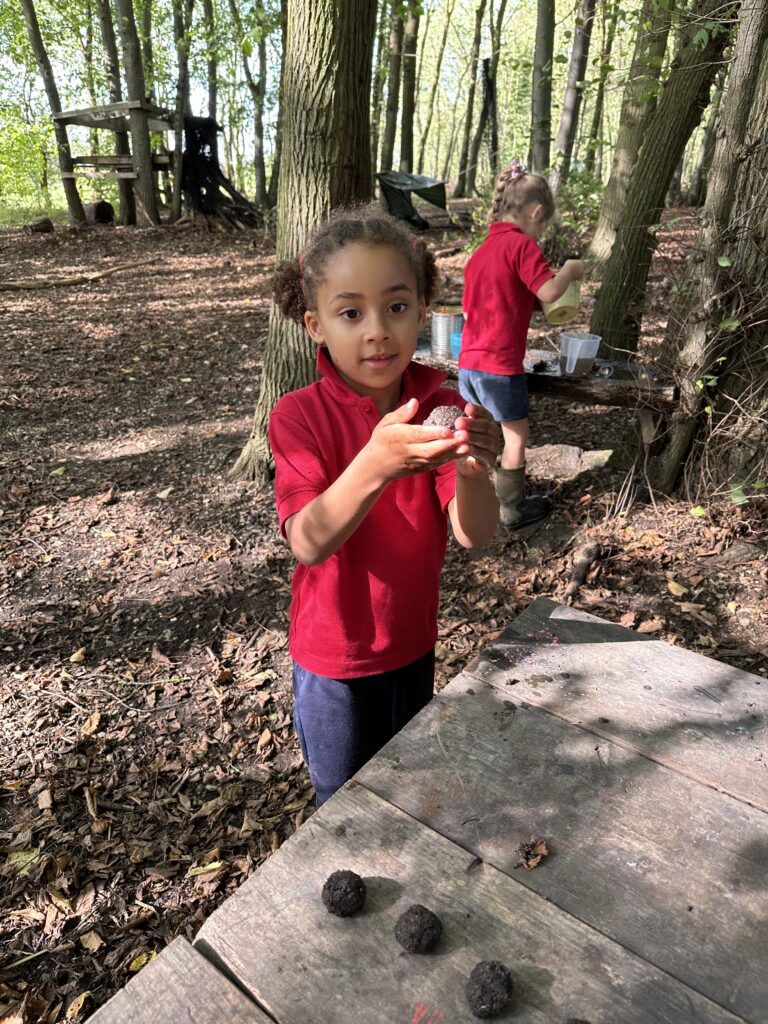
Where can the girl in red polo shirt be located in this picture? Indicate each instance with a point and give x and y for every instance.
(363, 488)
(502, 281)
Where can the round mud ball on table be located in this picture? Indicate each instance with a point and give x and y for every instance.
(418, 930)
(489, 989)
(343, 893)
(443, 416)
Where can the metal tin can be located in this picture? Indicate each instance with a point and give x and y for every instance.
(446, 323)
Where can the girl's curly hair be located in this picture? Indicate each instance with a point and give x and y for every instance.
(294, 284)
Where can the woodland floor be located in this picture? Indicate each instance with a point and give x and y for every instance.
(147, 760)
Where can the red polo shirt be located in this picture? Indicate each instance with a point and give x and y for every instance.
(500, 284)
(372, 606)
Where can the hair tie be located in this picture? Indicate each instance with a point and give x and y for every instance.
(517, 169)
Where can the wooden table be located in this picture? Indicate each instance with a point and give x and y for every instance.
(645, 768)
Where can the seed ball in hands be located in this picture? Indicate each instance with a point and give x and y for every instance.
(489, 989)
(343, 893)
(418, 930)
(443, 416)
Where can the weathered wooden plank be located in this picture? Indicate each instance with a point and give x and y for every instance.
(671, 869)
(307, 967)
(688, 712)
(179, 986)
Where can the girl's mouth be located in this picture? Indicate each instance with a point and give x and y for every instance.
(378, 361)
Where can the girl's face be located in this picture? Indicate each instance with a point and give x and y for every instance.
(368, 316)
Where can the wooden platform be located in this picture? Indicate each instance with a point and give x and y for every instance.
(645, 768)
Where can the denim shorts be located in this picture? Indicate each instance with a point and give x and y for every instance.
(504, 396)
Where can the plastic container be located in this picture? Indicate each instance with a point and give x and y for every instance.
(446, 323)
(566, 308)
(577, 353)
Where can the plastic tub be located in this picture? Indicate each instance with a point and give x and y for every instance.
(566, 308)
(577, 353)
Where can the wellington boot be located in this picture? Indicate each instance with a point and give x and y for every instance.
(515, 510)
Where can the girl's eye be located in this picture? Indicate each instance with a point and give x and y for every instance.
(350, 314)
(399, 307)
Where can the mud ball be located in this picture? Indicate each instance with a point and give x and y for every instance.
(443, 416)
(343, 893)
(489, 989)
(418, 930)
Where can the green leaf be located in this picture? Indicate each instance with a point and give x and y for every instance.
(247, 46)
(738, 497)
(701, 38)
(759, 485)
(698, 511)
(724, 261)
(730, 324)
(561, 59)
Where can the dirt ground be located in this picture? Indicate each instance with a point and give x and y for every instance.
(147, 762)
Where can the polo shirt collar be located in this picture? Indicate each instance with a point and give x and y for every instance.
(419, 381)
(500, 227)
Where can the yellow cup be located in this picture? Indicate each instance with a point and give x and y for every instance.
(566, 308)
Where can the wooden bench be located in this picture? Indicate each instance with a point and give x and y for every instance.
(641, 764)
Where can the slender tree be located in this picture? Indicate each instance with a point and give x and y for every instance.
(593, 159)
(74, 204)
(212, 68)
(574, 89)
(326, 147)
(541, 96)
(435, 83)
(410, 41)
(122, 144)
(182, 25)
(394, 62)
(697, 187)
(461, 179)
(274, 178)
(379, 78)
(257, 89)
(618, 304)
(488, 109)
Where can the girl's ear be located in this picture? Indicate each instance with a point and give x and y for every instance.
(312, 324)
(422, 314)
(536, 213)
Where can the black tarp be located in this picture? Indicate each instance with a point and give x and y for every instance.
(396, 187)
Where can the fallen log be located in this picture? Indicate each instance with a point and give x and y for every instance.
(47, 282)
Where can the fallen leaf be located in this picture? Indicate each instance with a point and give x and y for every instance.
(145, 957)
(45, 800)
(79, 656)
(677, 589)
(58, 472)
(650, 626)
(165, 493)
(20, 861)
(264, 740)
(92, 724)
(203, 869)
(628, 619)
(533, 852)
(92, 941)
(75, 1008)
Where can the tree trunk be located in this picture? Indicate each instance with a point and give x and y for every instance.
(393, 87)
(212, 70)
(377, 94)
(435, 84)
(410, 42)
(274, 177)
(697, 188)
(144, 184)
(461, 181)
(637, 107)
(569, 119)
(182, 24)
(147, 49)
(541, 97)
(618, 306)
(327, 86)
(488, 109)
(122, 145)
(256, 88)
(74, 204)
(721, 352)
(594, 143)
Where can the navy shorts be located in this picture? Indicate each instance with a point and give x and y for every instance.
(505, 397)
(342, 723)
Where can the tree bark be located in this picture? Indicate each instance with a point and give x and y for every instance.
(212, 69)
(488, 109)
(461, 180)
(182, 24)
(410, 43)
(637, 107)
(329, 48)
(435, 84)
(256, 87)
(274, 178)
(74, 204)
(594, 143)
(541, 97)
(697, 188)
(393, 87)
(618, 306)
(721, 348)
(377, 93)
(574, 90)
(122, 145)
(144, 184)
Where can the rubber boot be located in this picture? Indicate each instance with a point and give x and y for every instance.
(515, 510)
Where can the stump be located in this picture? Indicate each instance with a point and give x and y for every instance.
(43, 226)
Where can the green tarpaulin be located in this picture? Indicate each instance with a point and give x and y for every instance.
(396, 187)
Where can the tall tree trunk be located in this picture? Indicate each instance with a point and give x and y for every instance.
(212, 69)
(723, 344)
(144, 184)
(435, 84)
(122, 145)
(74, 205)
(393, 87)
(274, 177)
(594, 142)
(147, 48)
(379, 77)
(327, 87)
(461, 180)
(569, 119)
(256, 87)
(90, 78)
(182, 25)
(541, 97)
(488, 109)
(636, 109)
(697, 188)
(410, 42)
(618, 306)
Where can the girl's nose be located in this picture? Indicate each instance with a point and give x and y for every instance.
(376, 327)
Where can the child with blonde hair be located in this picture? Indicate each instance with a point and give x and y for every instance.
(503, 281)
